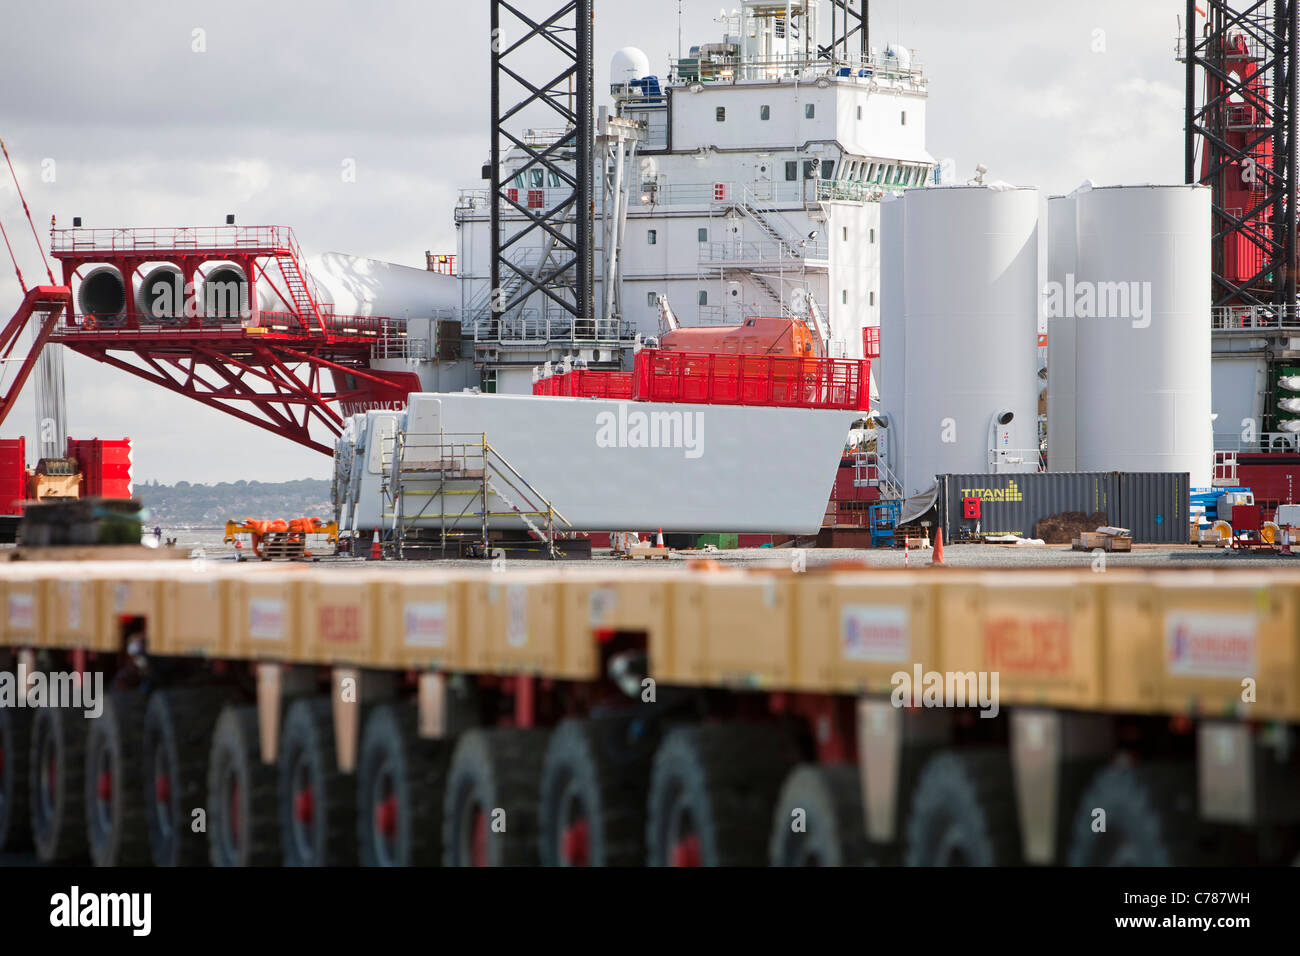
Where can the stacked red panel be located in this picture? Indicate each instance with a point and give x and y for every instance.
(13, 475)
(105, 466)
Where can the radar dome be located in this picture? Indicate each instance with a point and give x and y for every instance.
(902, 54)
(628, 64)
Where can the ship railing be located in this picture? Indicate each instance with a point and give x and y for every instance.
(280, 323)
(235, 238)
(735, 69)
(1254, 318)
(546, 331)
(764, 252)
(1265, 442)
(854, 190)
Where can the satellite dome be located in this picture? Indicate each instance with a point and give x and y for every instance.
(902, 54)
(628, 64)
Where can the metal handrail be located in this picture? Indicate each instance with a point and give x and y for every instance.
(1254, 318)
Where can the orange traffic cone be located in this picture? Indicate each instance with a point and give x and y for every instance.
(376, 550)
(659, 539)
(937, 556)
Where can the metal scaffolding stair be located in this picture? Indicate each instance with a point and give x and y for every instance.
(424, 474)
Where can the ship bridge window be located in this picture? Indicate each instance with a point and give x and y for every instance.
(809, 170)
(553, 179)
(765, 112)
(749, 322)
(828, 169)
(904, 118)
(651, 237)
(859, 112)
(704, 234)
(722, 114)
(810, 111)
(535, 178)
(704, 297)
(652, 299)
(791, 171)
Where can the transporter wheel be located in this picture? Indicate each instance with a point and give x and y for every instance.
(490, 815)
(116, 828)
(318, 803)
(591, 810)
(177, 746)
(400, 782)
(242, 820)
(15, 757)
(818, 819)
(963, 812)
(712, 793)
(57, 790)
(1150, 818)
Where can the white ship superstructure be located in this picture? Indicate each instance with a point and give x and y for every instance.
(745, 181)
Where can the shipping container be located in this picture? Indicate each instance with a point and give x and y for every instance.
(13, 475)
(1153, 505)
(105, 467)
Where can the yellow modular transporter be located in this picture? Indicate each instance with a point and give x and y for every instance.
(702, 717)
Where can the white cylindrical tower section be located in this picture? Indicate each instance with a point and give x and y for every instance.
(1143, 360)
(102, 294)
(359, 286)
(1062, 450)
(887, 371)
(160, 296)
(970, 311)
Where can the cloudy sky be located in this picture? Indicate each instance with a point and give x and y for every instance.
(138, 120)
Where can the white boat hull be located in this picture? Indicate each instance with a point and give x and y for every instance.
(609, 465)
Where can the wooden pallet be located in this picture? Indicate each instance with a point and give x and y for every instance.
(648, 552)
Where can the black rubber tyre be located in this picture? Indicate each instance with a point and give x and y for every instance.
(818, 820)
(712, 792)
(400, 783)
(15, 787)
(174, 757)
(1150, 818)
(57, 790)
(490, 813)
(963, 812)
(116, 831)
(318, 804)
(591, 810)
(243, 825)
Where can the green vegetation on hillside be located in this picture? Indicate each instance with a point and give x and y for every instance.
(196, 505)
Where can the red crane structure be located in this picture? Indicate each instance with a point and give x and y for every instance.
(283, 368)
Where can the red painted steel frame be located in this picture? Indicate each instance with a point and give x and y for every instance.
(49, 300)
(224, 374)
(281, 371)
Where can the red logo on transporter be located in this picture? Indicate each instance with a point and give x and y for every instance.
(1039, 645)
(1210, 645)
(340, 625)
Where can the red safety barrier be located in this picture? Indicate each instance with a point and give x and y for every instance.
(586, 383)
(720, 379)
